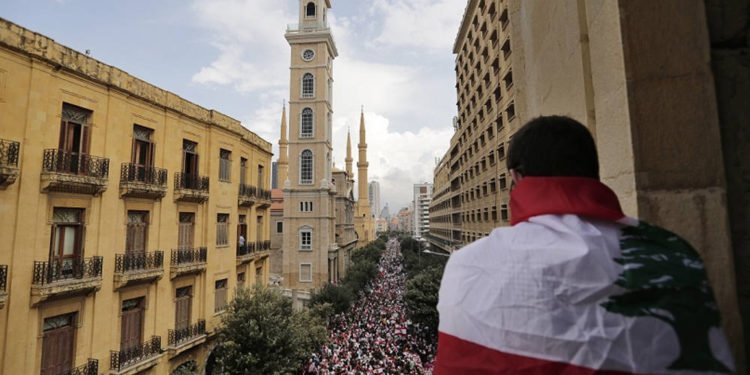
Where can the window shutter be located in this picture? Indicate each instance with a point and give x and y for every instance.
(85, 138)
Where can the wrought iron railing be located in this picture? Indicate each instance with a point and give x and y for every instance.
(67, 269)
(248, 191)
(130, 172)
(246, 249)
(90, 368)
(9, 152)
(59, 161)
(263, 245)
(136, 354)
(188, 256)
(178, 336)
(138, 261)
(3, 277)
(264, 194)
(190, 182)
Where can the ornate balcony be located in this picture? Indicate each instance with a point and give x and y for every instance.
(3, 284)
(90, 368)
(136, 359)
(263, 245)
(138, 267)
(8, 162)
(190, 188)
(142, 182)
(246, 253)
(180, 340)
(61, 278)
(187, 261)
(74, 172)
(248, 195)
(264, 198)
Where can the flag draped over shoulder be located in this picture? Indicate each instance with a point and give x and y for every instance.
(575, 287)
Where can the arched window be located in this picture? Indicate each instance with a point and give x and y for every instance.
(308, 85)
(306, 123)
(310, 9)
(306, 167)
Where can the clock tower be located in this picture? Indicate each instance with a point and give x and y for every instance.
(309, 243)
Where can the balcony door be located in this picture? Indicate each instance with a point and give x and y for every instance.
(137, 230)
(259, 231)
(183, 303)
(131, 334)
(66, 244)
(142, 156)
(242, 230)
(57, 344)
(189, 163)
(75, 138)
(185, 232)
(243, 171)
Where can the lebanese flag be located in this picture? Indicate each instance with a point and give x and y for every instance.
(576, 287)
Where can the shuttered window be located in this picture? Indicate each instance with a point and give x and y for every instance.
(220, 295)
(222, 228)
(135, 238)
(185, 232)
(305, 272)
(225, 165)
(58, 343)
(183, 302)
(131, 334)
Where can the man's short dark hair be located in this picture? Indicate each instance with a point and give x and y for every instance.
(553, 146)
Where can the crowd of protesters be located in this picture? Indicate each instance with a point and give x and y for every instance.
(375, 335)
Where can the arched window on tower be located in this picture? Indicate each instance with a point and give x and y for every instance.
(308, 85)
(306, 129)
(306, 167)
(310, 9)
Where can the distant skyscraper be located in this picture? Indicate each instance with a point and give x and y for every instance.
(275, 175)
(384, 214)
(422, 199)
(374, 190)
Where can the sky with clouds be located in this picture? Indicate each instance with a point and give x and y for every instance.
(395, 58)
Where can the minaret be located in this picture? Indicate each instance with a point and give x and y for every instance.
(349, 158)
(362, 164)
(283, 152)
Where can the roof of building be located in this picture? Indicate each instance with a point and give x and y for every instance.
(28, 42)
(277, 199)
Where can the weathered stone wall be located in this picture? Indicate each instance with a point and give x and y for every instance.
(729, 29)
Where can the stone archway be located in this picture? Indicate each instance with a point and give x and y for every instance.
(186, 368)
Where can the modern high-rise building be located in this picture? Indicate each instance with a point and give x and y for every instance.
(129, 216)
(421, 213)
(658, 89)
(374, 192)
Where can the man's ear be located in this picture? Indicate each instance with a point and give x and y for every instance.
(515, 176)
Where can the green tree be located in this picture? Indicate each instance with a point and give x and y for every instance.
(665, 279)
(421, 297)
(340, 297)
(261, 334)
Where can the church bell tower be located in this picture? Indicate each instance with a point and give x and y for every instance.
(309, 211)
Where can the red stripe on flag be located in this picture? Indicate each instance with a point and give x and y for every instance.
(589, 197)
(460, 357)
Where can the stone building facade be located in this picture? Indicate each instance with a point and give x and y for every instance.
(318, 206)
(644, 77)
(122, 205)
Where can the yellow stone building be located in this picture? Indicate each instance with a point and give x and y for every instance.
(662, 94)
(318, 213)
(121, 211)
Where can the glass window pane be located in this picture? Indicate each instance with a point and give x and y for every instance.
(70, 240)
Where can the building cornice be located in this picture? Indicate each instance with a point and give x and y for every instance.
(60, 57)
(465, 23)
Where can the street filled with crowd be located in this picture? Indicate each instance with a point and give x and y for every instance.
(375, 335)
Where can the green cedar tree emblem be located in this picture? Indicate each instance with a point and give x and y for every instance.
(665, 279)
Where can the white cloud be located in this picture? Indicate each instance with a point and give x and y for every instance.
(419, 23)
(397, 159)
